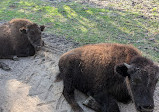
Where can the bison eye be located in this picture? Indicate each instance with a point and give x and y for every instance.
(136, 81)
(32, 32)
(137, 68)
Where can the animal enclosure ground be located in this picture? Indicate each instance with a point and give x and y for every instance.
(29, 87)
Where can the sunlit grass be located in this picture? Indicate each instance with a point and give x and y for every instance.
(86, 24)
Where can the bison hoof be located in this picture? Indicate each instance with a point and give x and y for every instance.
(79, 110)
(90, 102)
(4, 66)
(15, 58)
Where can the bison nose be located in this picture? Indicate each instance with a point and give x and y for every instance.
(43, 43)
(147, 108)
(38, 48)
(150, 107)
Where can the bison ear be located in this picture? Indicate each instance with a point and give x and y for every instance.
(42, 27)
(122, 69)
(23, 30)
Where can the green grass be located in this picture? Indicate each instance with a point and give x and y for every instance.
(88, 24)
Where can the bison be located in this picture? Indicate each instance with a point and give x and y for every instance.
(19, 38)
(109, 73)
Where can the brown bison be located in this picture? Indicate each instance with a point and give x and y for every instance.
(109, 73)
(19, 38)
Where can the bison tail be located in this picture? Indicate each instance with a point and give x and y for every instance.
(58, 77)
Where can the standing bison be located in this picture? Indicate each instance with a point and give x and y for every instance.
(19, 38)
(109, 73)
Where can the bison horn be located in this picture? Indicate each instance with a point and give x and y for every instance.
(127, 65)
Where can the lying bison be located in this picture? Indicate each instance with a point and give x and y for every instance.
(109, 73)
(19, 38)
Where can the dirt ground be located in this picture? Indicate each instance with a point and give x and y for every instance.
(30, 87)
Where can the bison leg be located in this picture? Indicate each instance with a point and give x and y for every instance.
(90, 102)
(68, 93)
(12, 57)
(4, 66)
(24, 52)
(15, 58)
(107, 102)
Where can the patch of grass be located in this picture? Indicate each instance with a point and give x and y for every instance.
(87, 24)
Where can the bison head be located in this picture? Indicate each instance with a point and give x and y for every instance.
(33, 32)
(141, 78)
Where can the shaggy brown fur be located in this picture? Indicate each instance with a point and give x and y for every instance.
(99, 70)
(20, 37)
